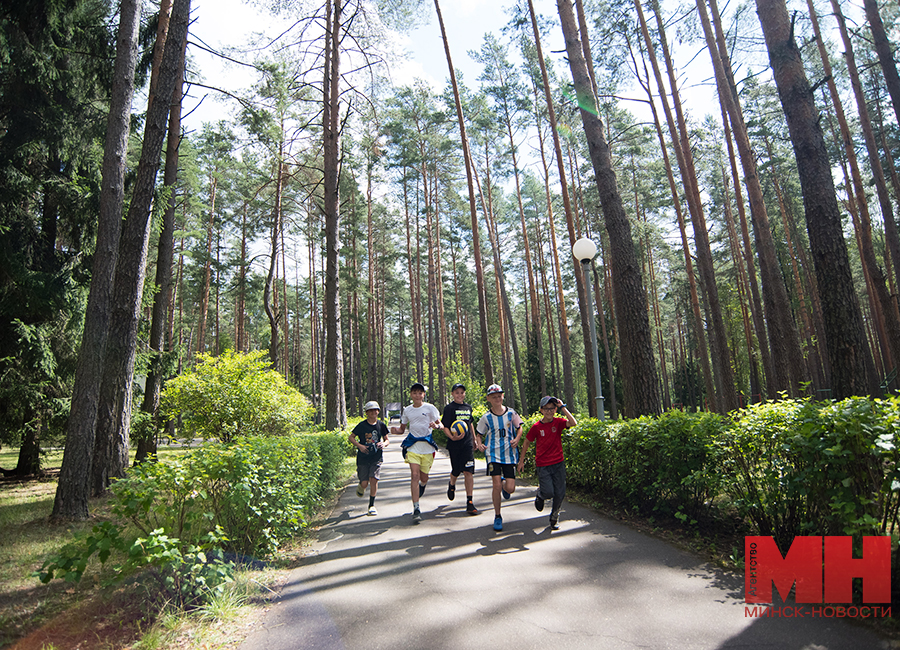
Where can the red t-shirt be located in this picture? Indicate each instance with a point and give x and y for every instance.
(548, 448)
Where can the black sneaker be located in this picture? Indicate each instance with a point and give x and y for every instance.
(471, 509)
(451, 492)
(554, 523)
(539, 502)
(417, 516)
(421, 489)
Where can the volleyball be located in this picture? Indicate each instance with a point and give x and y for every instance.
(459, 428)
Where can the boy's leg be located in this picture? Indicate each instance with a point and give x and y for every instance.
(415, 474)
(558, 473)
(469, 480)
(374, 489)
(495, 493)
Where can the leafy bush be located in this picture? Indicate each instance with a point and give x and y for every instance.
(173, 570)
(175, 519)
(234, 395)
(800, 468)
(259, 490)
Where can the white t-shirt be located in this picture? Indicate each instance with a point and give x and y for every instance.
(417, 420)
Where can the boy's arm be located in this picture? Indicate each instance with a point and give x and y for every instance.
(570, 419)
(355, 442)
(522, 455)
(384, 443)
(479, 444)
(517, 423)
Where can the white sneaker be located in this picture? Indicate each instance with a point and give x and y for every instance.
(372, 510)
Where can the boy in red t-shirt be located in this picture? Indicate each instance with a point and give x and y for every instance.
(546, 433)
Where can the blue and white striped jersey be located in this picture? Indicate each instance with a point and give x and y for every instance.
(497, 431)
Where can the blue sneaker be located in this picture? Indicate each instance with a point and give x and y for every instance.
(503, 491)
(498, 523)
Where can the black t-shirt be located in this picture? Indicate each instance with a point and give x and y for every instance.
(369, 435)
(453, 412)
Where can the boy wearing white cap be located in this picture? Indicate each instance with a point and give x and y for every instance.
(369, 437)
(500, 429)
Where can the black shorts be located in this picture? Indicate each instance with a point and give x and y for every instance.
(367, 470)
(506, 470)
(462, 459)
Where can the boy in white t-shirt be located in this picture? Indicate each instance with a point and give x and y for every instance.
(419, 446)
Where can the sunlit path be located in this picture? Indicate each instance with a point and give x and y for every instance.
(452, 582)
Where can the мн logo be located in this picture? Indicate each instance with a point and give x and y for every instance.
(806, 566)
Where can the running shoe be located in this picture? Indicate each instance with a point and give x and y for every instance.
(360, 490)
(503, 491)
(554, 523)
(451, 491)
(498, 523)
(421, 489)
(471, 509)
(538, 502)
(372, 510)
(417, 516)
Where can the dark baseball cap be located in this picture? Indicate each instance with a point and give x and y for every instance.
(549, 399)
(417, 386)
(455, 386)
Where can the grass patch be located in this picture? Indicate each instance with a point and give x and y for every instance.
(63, 615)
(28, 538)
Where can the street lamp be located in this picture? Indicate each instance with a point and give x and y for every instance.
(584, 251)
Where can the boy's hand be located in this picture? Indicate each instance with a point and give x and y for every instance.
(521, 465)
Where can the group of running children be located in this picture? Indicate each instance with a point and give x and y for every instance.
(497, 434)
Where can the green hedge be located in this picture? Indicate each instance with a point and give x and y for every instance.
(788, 467)
(176, 518)
(259, 490)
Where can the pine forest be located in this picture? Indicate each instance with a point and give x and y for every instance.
(735, 165)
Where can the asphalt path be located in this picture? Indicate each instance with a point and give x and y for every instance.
(380, 581)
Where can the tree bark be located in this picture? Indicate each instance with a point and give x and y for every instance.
(164, 264)
(786, 353)
(845, 338)
(476, 237)
(335, 405)
(114, 409)
(71, 501)
(638, 363)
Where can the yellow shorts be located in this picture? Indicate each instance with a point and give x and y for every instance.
(424, 461)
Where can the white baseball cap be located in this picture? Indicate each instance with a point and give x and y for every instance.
(371, 404)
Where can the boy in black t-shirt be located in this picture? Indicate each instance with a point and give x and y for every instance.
(461, 448)
(369, 437)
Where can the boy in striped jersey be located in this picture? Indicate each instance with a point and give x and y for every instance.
(497, 435)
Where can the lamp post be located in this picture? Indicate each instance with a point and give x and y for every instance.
(584, 251)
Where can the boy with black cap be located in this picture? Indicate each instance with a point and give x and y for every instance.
(460, 447)
(369, 437)
(419, 446)
(546, 433)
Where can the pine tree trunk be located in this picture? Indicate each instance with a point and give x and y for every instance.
(72, 492)
(638, 363)
(114, 408)
(476, 238)
(845, 338)
(673, 188)
(568, 381)
(884, 310)
(147, 444)
(786, 354)
(335, 406)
